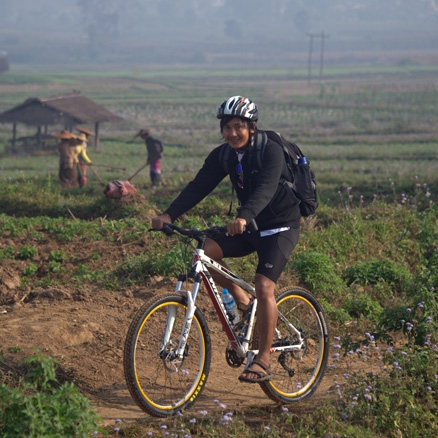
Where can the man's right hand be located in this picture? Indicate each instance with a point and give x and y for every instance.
(159, 221)
(236, 226)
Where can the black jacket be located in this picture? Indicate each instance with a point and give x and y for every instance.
(263, 197)
(154, 147)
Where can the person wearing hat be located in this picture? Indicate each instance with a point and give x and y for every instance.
(68, 173)
(82, 157)
(85, 131)
(70, 149)
(266, 223)
(154, 149)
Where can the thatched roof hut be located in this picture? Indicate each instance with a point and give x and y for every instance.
(68, 110)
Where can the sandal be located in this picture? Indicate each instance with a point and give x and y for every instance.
(263, 375)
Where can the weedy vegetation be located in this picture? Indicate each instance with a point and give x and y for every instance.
(370, 254)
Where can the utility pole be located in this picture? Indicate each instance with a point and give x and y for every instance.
(309, 62)
(323, 36)
(321, 60)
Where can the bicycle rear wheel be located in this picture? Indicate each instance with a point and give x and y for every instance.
(296, 374)
(161, 383)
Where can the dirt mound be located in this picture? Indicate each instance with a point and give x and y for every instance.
(85, 333)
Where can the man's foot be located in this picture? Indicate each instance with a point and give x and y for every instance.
(256, 372)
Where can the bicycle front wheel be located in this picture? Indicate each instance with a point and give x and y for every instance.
(162, 383)
(297, 373)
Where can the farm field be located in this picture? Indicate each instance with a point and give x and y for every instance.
(75, 266)
(365, 131)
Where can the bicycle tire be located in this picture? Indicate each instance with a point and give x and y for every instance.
(160, 386)
(296, 375)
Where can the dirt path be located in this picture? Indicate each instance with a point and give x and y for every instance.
(85, 332)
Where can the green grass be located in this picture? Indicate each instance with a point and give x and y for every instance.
(370, 255)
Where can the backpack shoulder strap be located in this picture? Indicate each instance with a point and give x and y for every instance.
(260, 141)
(224, 159)
(224, 156)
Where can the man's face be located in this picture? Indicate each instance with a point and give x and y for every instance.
(236, 133)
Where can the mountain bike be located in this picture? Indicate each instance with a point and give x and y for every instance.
(167, 351)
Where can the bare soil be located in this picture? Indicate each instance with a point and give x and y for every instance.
(84, 329)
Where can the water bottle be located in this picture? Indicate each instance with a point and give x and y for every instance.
(230, 306)
(302, 160)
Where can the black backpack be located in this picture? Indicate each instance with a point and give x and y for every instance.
(300, 177)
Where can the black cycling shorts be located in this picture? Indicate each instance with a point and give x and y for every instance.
(273, 251)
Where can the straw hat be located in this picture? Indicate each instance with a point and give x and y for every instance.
(64, 135)
(81, 136)
(143, 132)
(85, 131)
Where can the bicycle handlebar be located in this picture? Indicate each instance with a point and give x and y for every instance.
(211, 232)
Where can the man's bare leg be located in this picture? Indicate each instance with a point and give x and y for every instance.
(213, 250)
(267, 315)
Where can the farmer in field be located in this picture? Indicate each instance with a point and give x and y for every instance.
(70, 148)
(68, 173)
(267, 221)
(82, 158)
(155, 154)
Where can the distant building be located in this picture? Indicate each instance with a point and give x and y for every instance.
(4, 61)
(66, 110)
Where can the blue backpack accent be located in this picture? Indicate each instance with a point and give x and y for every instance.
(300, 177)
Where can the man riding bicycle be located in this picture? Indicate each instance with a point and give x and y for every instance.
(264, 201)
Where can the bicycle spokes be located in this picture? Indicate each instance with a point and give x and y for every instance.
(161, 381)
(300, 350)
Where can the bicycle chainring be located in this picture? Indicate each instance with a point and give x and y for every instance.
(233, 360)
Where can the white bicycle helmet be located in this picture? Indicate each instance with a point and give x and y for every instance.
(238, 106)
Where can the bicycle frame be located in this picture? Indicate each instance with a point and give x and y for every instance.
(199, 271)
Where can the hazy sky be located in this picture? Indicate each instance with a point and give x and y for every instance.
(52, 30)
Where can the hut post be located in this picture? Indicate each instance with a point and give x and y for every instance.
(39, 136)
(14, 134)
(96, 138)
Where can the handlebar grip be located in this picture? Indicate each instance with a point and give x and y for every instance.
(167, 230)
